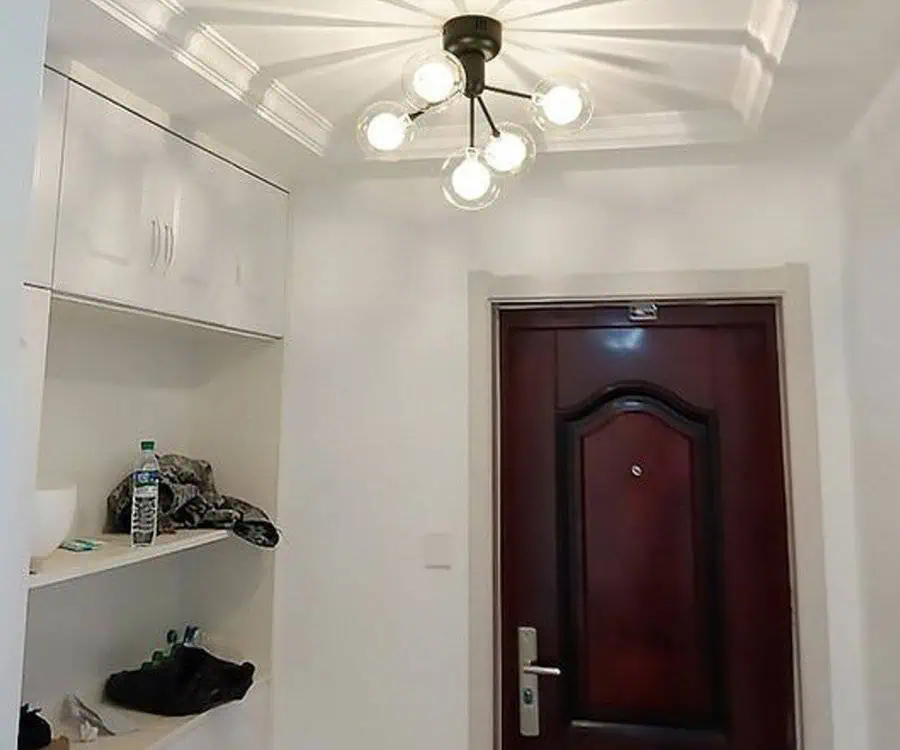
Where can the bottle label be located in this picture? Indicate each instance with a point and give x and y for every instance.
(146, 484)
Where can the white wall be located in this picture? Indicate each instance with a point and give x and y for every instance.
(372, 647)
(872, 184)
(22, 41)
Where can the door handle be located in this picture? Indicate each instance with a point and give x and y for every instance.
(155, 243)
(542, 671)
(529, 689)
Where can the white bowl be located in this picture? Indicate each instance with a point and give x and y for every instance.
(53, 513)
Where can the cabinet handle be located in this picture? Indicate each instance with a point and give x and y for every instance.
(171, 246)
(155, 243)
(167, 257)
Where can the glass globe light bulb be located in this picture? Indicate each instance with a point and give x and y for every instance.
(471, 179)
(432, 80)
(512, 152)
(384, 128)
(386, 132)
(468, 182)
(562, 105)
(562, 102)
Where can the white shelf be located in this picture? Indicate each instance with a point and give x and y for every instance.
(117, 552)
(157, 732)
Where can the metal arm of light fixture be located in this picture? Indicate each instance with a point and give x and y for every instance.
(487, 115)
(508, 92)
(472, 123)
(419, 112)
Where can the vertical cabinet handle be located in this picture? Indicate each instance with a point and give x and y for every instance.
(154, 243)
(167, 257)
(172, 243)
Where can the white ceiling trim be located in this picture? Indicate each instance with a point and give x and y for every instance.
(768, 29)
(770, 23)
(752, 88)
(213, 57)
(612, 132)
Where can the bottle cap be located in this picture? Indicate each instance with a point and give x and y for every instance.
(148, 445)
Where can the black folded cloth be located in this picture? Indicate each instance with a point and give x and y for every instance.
(34, 731)
(187, 682)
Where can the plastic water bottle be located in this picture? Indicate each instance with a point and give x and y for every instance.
(145, 496)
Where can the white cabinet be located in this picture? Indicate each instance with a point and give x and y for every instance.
(32, 363)
(111, 238)
(255, 293)
(150, 221)
(45, 189)
(199, 232)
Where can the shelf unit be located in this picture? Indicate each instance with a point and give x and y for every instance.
(103, 375)
(116, 552)
(112, 377)
(161, 732)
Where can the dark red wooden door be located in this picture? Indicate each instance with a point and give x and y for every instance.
(643, 530)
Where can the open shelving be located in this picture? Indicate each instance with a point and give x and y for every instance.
(159, 732)
(115, 377)
(117, 552)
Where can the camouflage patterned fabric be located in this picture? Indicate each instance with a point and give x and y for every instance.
(188, 499)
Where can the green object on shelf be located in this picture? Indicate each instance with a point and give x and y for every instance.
(81, 545)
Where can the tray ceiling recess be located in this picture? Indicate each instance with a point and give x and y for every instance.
(661, 72)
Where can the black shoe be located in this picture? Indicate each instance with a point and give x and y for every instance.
(189, 681)
(34, 731)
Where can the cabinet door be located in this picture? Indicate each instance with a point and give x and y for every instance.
(33, 359)
(261, 256)
(196, 253)
(114, 171)
(45, 190)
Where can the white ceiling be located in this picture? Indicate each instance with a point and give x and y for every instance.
(640, 56)
(663, 72)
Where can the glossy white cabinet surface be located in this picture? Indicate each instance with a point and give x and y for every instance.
(200, 231)
(115, 173)
(45, 190)
(33, 360)
(151, 221)
(256, 297)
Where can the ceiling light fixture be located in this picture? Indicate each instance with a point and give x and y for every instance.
(472, 178)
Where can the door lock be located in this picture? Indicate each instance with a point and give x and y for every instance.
(529, 690)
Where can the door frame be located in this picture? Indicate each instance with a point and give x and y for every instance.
(788, 288)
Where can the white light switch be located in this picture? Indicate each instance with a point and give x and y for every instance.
(437, 551)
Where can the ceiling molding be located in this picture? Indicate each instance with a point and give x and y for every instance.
(206, 52)
(612, 132)
(771, 22)
(768, 31)
(752, 88)
(213, 57)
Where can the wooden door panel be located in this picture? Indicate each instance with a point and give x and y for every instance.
(611, 355)
(530, 378)
(755, 526)
(662, 593)
(637, 490)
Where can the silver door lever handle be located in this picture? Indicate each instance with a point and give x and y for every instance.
(541, 671)
(529, 687)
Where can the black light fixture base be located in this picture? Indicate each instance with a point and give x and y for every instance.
(465, 34)
(475, 40)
